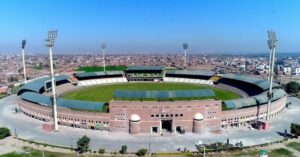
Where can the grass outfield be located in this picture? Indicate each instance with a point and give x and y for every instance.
(104, 93)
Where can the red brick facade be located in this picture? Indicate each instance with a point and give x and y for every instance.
(152, 116)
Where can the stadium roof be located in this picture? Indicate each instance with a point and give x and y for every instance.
(128, 94)
(145, 68)
(45, 100)
(95, 74)
(37, 84)
(253, 101)
(196, 72)
(263, 84)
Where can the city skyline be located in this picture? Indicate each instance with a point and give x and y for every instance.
(149, 26)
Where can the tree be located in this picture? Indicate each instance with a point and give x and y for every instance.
(83, 144)
(101, 151)
(123, 149)
(4, 132)
(141, 152)
(292, 87)
(295, 129)
(239, 144)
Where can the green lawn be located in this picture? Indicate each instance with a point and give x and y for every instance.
(104, 93)
(281, 152)
(294, 145)
(100, 68)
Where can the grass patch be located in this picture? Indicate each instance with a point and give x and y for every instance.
(100, 68)
(281, 152)
(104, 93)
(294, 145)
(245, 154)
(38, 153)
(174, 154)
(2, 95)
(44, 144)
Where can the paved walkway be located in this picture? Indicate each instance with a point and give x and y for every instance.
(31, 129)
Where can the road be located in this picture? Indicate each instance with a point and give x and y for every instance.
(31, 129)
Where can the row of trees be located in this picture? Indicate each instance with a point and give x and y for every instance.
(84, 141)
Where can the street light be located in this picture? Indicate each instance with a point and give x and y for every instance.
(185, 47)
(272, 46)
(23, 60)
(50, 43)
(103, 47)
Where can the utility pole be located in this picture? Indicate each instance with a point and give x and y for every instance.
(203, 151)
(50, 43)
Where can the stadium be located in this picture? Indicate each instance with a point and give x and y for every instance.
(152, 99)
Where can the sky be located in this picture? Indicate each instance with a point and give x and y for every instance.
(150, 26)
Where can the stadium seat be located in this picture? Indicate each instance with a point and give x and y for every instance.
(102, 81)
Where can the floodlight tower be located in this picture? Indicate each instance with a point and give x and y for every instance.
(23, 60)
(103, 47)
(50, 43)
(270, 60)
(272, 46)
(185, 47)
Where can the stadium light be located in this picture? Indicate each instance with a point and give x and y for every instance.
(23, 60)
(103, 47)
(272, 46)
(50, 43)
(185, 47)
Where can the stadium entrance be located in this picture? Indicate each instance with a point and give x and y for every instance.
(166, 125)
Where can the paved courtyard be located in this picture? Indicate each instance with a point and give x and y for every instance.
(31, 129)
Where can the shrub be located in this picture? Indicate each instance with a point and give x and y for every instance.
(4, 132)
(83, 144)
(292, 87)
(295, 129)
(123, 149)
(101, 151)
(141, 152)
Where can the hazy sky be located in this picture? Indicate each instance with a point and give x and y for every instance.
(153, 26)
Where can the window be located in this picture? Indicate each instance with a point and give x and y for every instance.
(181, 115)
(152, 115)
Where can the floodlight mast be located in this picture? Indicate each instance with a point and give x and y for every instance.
(103, 47)
(269, 66)
(185, 47)
(50, 43)
(23, 60)
(272, 46)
